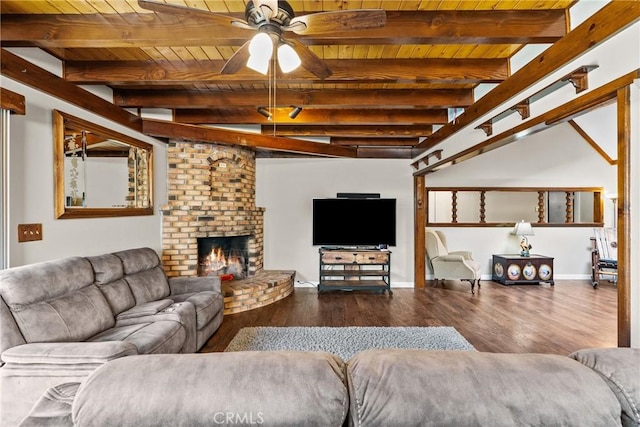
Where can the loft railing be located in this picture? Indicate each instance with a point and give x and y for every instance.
(503, 206)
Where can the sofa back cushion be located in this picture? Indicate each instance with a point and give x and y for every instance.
(276, 388)
(144, 274)
(463, 388)
(55, 300)
(109, 276)
(10, 335)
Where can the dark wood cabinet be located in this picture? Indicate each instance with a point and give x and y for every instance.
(520, 270)
(355, 269)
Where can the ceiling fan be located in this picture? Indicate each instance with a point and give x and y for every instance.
(271, 18)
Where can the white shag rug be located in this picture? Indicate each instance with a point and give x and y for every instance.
(347, 341)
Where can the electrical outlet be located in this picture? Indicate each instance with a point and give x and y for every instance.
(29, 232)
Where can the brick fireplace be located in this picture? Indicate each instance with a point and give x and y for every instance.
(211, 194)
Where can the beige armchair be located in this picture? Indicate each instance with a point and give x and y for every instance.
(457, 265)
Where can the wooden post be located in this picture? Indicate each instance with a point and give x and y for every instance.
(541, 212)
(419, 223)
(483, 217)
(569, 207)
(624, 223)
(454, 207)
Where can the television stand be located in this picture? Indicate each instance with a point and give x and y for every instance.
(355, 269)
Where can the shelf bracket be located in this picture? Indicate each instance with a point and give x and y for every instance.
(487, 127)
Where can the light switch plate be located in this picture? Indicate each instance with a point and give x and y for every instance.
(29, 232)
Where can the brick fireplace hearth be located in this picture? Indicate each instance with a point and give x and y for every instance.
(211, 193)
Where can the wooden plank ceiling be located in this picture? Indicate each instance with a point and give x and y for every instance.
(391, 87)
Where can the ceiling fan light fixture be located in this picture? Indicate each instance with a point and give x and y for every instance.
(288, 58)
(260, 52)
(294, 112)
(266, 113)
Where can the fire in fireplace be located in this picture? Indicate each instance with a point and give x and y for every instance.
(219, 256)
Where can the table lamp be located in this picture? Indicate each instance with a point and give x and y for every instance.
(523, 229)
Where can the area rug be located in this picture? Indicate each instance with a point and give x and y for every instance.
(345, 342)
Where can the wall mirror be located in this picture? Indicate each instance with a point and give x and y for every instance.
(99, 172)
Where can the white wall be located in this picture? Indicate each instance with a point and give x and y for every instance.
(31, 187)
(286, 188)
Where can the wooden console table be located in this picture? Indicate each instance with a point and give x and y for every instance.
(355, 269)
(514, 269)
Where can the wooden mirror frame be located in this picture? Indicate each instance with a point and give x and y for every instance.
(62, 211)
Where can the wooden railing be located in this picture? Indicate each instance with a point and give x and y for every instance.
(503, 206)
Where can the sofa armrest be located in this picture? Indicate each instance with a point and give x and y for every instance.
(68, 353)
(186, 285)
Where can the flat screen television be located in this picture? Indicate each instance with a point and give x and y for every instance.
(354, 222)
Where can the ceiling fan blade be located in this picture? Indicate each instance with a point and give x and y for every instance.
(174, 9)
(310, 60)
(338, 20)
(237, 61)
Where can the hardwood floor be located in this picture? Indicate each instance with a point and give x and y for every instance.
(514, 319)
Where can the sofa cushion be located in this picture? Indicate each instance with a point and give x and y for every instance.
(75, 316)
(29, 284)
(106, 268)
(620, 368)
(109, 275)
(148, 285)
(245, 388)
(207, 305)
(460, 388)
(163, 336)
(137, 260)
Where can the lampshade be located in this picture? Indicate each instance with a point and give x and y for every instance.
(523, 229)
(260, 52)
(288, 59)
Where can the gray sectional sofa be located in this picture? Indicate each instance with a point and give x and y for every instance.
(382, 388)
(62, 319)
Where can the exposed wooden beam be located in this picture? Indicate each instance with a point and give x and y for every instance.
(432, 70)
(611, 19)
(592, 143)
(402, 27)
(12, 101)
(313, 116)
(384, 153)
(375, 142)
(180, 131)
(336, 98)
(350, 130)
(597, 97)
(16, 68)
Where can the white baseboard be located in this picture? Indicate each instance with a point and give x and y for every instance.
(484, 277)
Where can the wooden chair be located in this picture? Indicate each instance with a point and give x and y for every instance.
(604, 255)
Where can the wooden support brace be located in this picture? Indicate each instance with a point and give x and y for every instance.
(436, 153)
(487, 127)
(579, 78)
(523, 109)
